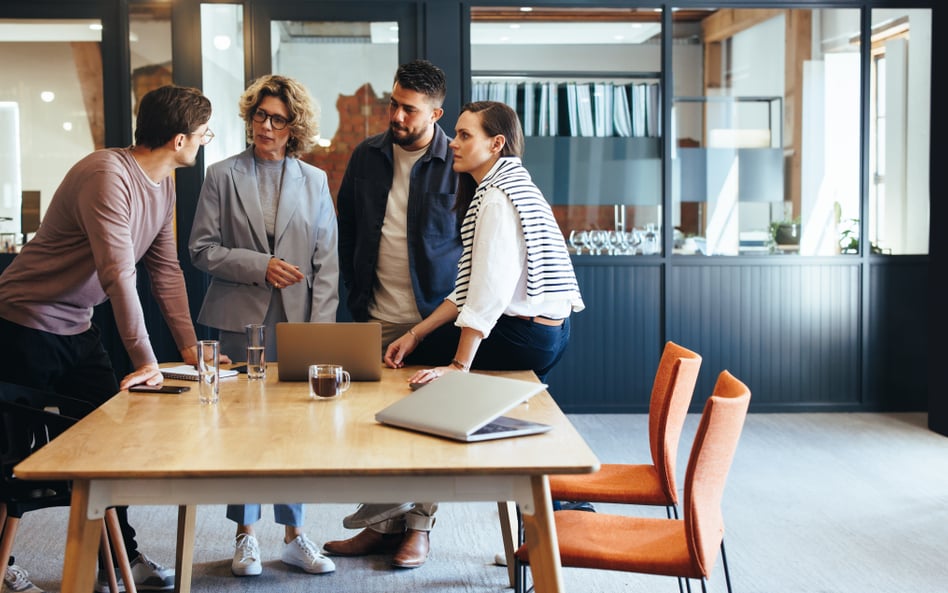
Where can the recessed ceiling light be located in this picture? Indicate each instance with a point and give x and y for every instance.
(47, 96)
(67, 125)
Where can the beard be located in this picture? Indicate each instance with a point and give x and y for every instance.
(404, 136)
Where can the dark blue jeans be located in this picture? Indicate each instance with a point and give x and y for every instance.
(75, 366)
(521, 344)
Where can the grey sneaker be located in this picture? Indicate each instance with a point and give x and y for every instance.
(17, 580)
(151, 576)
(370, 514)
(148, 575)
(246, 561)
(303, 554)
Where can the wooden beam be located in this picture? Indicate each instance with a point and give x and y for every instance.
(88, 58)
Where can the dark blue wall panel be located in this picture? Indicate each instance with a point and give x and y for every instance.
(790, 332)
(616, 342)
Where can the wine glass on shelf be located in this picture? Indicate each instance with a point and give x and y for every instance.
(577, 240)
(597, 240)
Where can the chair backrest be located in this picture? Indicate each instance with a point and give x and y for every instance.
(672, 390)
(711, 455)
(30, 418)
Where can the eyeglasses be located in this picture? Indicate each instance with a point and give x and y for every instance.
(206, 137)
(277, 121)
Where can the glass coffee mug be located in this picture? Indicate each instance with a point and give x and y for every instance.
(327, 381)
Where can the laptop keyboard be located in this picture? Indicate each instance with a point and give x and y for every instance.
(503, 424)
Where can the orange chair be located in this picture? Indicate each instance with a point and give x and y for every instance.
(685, 548)
(651, 484)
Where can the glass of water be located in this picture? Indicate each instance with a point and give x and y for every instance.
(209, 377)
(256, 346)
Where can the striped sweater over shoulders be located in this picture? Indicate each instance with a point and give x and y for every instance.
(550, 273)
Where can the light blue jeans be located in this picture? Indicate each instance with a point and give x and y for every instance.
(284, 514)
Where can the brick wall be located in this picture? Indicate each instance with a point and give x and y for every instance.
(361, 115)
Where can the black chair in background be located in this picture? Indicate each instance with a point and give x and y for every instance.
(30, 418)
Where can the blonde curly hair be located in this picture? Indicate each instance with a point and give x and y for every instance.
(303, 121)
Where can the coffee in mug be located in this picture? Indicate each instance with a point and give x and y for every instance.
(327, 381)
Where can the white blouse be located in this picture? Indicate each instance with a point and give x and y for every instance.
(498, 284)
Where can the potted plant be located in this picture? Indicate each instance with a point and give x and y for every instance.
(786, 232)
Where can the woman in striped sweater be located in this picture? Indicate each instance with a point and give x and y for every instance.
(515, 288)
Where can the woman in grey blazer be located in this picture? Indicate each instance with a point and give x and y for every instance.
(265, 230)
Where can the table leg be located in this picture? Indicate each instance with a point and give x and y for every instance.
(541, 536)
(509, 530)
(82, 542)
(184, 559)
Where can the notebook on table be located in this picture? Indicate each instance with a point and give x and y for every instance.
(187, 372)
(466, 407)
(354, 345)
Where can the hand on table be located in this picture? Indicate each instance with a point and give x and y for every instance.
(428, 375)
(149, 374)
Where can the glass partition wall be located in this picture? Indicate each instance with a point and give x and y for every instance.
(765, 128)
(51, 114)
(585, 83)
(766, 157)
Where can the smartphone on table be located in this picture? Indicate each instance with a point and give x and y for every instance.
(159, 388)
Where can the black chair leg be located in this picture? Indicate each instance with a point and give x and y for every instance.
(727, 573)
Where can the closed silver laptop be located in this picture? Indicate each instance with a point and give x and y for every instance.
(465, 407)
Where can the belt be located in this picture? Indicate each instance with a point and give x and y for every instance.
(542, 320)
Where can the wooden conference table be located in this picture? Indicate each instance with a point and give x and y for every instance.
(266, 441)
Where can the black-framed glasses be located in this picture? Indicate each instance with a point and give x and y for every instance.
(277, 121)
(206, 137)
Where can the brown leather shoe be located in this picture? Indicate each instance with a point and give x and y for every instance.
(414, 550)
(365, 543)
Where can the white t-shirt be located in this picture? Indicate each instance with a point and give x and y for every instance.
(393, 299)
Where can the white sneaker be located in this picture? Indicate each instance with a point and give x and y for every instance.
(16, 580)
(246, 556)
(303, 554)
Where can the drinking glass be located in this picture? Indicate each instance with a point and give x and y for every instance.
(256, 346)
(209, 364)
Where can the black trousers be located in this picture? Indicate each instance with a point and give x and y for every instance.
(75, 366)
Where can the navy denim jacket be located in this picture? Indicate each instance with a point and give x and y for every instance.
(434, 242)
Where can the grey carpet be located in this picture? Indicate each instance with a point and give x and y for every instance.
(815, 503)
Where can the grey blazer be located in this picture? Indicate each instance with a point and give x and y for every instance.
(229, 242)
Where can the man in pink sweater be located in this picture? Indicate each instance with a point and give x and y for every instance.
(113, 209)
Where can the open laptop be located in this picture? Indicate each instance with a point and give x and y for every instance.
(356, 346)
(465, 407)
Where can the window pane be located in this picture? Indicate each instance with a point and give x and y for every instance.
(50, 110)
(149, 42)
(766, 118)
(900, 121)
(585, 83)
(352, 100)
(222, 48)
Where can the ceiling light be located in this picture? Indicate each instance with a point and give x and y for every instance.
(47, 96)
